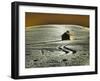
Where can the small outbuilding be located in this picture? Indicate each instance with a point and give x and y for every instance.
(66, 35)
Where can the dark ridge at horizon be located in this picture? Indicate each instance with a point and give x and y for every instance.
(32, 19)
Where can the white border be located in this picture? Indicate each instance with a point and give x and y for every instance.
(53, 70)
